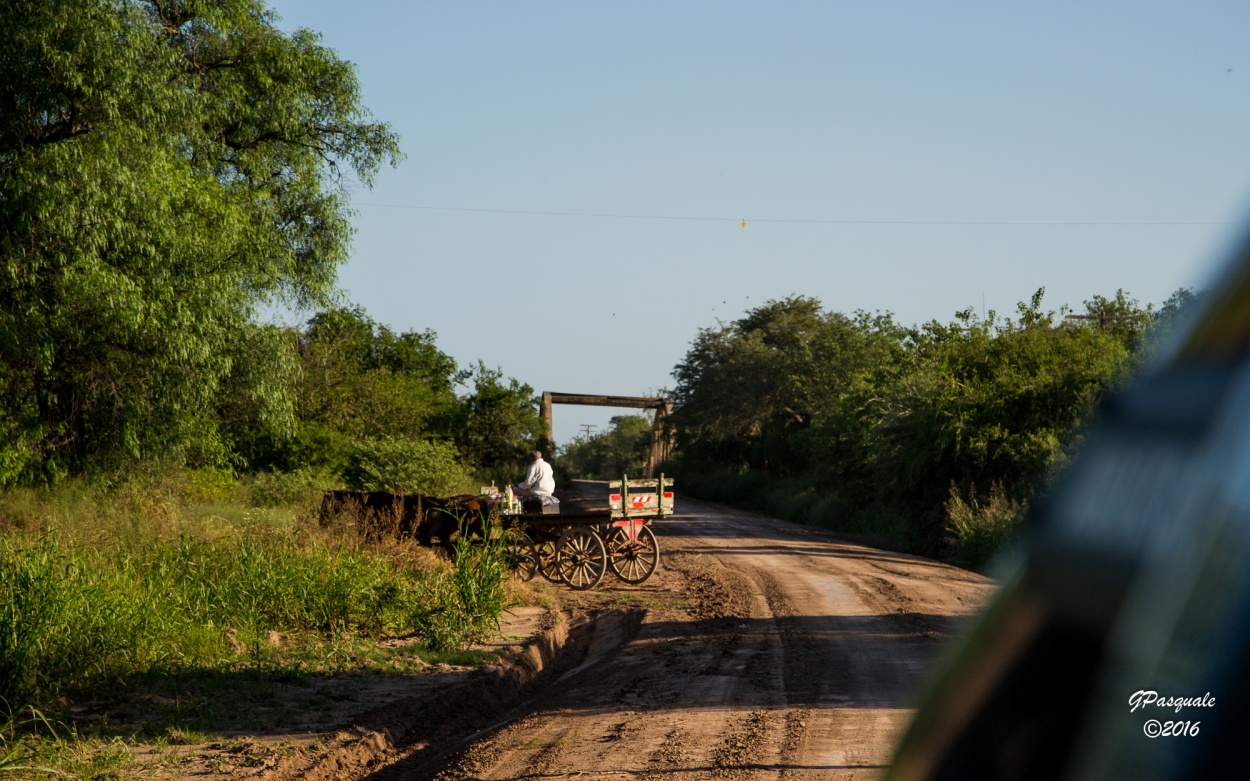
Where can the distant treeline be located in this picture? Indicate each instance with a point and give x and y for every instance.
(606, 455)
(936, 437)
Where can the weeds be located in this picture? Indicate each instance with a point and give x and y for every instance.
(70, 616)
(34, 746)
(978, 528)
(97, 587)
(462, 607)
(19, 741)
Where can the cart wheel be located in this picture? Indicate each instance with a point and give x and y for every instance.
(522, 558)
(633, 562)
(581, 558)
(547, 561)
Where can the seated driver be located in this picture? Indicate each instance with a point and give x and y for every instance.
(539, 481)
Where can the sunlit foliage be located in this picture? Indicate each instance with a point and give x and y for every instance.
(862, 424)
(166, 169)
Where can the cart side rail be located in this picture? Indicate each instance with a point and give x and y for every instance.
(643, 483)
(655, 503)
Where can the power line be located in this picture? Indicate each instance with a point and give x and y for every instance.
(739, 220)
(546, 214)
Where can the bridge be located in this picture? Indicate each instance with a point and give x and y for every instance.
(663, 435)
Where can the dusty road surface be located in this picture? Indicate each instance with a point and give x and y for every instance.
(761, 649)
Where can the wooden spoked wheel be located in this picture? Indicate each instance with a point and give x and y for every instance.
(581, 558)
(633, 561)
(547, 561)
(522, 558)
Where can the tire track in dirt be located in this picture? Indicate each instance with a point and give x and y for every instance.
(775, 652)
(854, 642)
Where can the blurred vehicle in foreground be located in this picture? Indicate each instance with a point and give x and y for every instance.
(1119, 644)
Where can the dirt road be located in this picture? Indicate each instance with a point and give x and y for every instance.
(762, 649)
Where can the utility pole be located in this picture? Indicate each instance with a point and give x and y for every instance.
(587, 429)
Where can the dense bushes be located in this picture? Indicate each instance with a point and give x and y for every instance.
(384, 409)
(407, 466)
(860, 424)
(346, 401)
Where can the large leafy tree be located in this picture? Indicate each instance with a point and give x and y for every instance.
(747, 389)
(498, 425)
(166, 168)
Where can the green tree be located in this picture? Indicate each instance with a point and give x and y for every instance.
(1120, 316)
(903, 431)
(357, 381)
(362, 379)
(498, 425)
(257, 399)
(166, 168)
(976, 403)
(746, 391)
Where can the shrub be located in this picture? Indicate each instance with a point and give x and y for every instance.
(977, 529)
(276, 489)
(407, 466)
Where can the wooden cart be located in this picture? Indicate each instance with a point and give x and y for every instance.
(578, 548)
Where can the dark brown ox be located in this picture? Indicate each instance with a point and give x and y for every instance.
(429, 519)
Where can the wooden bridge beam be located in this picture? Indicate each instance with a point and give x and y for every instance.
(663, 435)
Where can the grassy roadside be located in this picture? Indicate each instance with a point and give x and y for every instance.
(166, 611)
(977, 525)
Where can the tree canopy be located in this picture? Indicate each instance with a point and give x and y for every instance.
(867, 425)
(166, 169)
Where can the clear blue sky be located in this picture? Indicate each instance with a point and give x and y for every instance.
(858, 141)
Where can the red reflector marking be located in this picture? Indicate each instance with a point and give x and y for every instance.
(615, 497)
(668, 494)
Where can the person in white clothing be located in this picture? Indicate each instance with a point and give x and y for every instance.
(539, 481)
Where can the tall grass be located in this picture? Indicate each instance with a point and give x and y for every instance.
(98, 584)
(70, 615)
(18, 753)
(979, 526)
(463, 606)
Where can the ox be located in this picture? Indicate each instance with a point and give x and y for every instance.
(429, 519)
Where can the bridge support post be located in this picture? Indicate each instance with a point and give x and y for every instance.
(551, 439)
